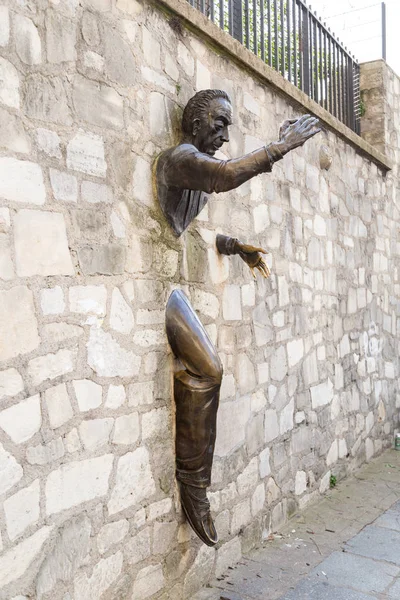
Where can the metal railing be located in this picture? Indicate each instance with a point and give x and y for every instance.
(290, 38)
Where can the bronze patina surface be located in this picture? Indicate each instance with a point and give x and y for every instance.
(185, 175)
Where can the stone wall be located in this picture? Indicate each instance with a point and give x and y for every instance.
(90, 92)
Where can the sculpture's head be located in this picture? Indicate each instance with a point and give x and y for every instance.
(206, 119)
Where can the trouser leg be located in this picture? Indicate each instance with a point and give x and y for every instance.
(196, 393)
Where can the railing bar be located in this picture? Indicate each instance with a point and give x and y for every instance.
(288, 45)
(212, 12)
(340, 97)
(276, 32)
(282, 36)
(247, 22)
(334, 82)
(345, 90)
(262, 31)
(321, 70)
(295, 77)
(269, 33)
(221, 13)
(315, 59)
(255, 41)
(326, 70)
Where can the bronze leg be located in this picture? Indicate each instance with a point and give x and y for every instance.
(196, 392)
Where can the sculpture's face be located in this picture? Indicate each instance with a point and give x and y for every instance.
(211, 131)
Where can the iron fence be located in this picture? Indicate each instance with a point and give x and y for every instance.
(289, 37)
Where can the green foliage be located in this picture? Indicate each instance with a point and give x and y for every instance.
(332, 481)
(362, 107)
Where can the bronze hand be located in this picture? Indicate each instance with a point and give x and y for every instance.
(252, 257)
(295, 132)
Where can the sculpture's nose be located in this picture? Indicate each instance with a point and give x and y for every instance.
(225, 135)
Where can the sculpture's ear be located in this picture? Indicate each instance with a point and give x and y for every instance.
(196, 126)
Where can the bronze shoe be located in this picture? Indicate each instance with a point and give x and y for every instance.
(196, 507)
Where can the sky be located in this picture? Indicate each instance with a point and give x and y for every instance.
(357, 23)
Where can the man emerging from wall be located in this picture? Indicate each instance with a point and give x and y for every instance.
(185, 175)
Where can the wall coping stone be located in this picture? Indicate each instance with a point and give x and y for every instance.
(195, 21)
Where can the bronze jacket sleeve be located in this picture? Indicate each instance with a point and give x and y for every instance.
(194, 170)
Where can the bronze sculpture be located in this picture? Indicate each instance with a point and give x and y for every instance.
(185, 175)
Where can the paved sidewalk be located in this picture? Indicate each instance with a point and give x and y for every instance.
(345, 547)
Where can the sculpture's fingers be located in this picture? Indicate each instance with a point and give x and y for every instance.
(264, 268)
(254, 249)
(252, 272)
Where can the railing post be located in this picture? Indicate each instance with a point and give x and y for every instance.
(305, 52)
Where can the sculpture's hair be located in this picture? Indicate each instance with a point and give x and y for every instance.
(197, 107)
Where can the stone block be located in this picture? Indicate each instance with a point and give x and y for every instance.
(21, 181)
(6, 264)
(77, 482)
(13, 135)
(85, 153)
(264, 468)
(286, 418)
(271, 425)
(64, 185)
(227, 555)
(27, 40)
(48, 142)
(141, 393)
(300, 484)
(95, 61)
(164, 536)
(11, 470)
(10, 383)
(241, 516)
(46, 99)
(52, 301)
(200, 571)
(138, 547)
(60, 37)
(121, 315)
(245, 375)
(185, 59)
(278, 365)
(310, 369)
(21, 421)
(263, 330)
(22, 510)
(69, 553)
(116, 396)
(109, 104)
(41, 244)
(295, 351)
(258, 500)
(321, 394)
(88, 299)
(4, 26)
(96, 193)
(16, 561)
(51, 366)
(203, 77)
(231, 425)
(104, 574)
(111, 534)
(127, 429)
(72, 441)
(18, 323)
(108, 359)
(120, 65)
(44, 454)
(88, 394)
(134, 481)
(148, 582)
(9, 84)
(248, 479)
(108, 259)
(158, 509)
(333, 453)
(155, 423)
(95, 433)
(231, 305)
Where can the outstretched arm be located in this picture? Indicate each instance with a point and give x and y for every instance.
(195, 170)
(251, 255)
